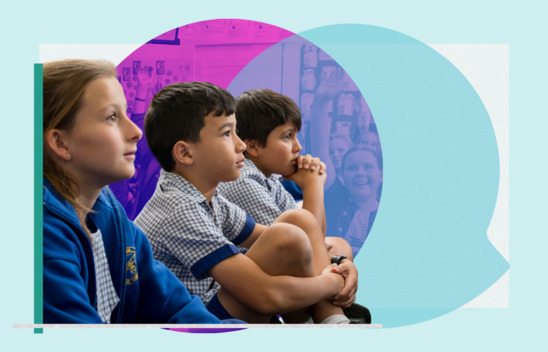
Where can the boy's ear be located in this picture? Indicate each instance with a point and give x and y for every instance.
(181, 153)
(252, 147)
(56, 141)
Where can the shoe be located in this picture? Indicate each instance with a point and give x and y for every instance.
(357, 314)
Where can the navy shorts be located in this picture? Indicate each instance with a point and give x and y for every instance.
(215, 307)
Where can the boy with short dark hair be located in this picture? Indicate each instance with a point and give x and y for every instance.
(239, 268)
(268, 122)
(268, 118)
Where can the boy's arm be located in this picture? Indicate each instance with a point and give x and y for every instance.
(267, 294)
(251, 194)
(163, 298)
(348, 294)
(254, 235)
(312, 183)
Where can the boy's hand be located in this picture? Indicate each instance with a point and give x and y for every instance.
(308, 162)
(309, 171)
(331, 269)
(348, 294)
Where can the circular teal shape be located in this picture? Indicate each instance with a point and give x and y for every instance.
(427, 253)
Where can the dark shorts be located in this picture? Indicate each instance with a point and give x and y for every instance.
(215, 307)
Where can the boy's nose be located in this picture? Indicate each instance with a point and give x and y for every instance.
(240, 145)
(297, 147)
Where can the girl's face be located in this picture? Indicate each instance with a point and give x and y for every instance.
(337, 148)
(102, 143)
(369, 140)
(361, 174)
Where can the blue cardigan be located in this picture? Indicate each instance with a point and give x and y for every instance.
(148, 291)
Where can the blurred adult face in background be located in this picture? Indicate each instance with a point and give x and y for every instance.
(361, 174)
(338, 147)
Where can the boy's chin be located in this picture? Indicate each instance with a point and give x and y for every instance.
(230, 178)
(288, 171)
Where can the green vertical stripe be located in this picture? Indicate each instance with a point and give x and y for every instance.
(38, 199)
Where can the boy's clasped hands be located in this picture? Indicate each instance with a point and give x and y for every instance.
(308, 169)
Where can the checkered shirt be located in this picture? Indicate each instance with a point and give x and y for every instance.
(191, 236)
(358, 229)
(261, 197)
(107, 299)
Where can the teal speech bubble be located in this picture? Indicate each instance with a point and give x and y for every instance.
(428, 252)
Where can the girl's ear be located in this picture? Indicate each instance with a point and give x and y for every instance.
(56, 141)
(252, 147)
(181, 153)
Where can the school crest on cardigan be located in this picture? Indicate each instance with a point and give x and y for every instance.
(131, 266)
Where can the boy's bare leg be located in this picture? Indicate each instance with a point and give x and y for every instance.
(282, 249)
(338, 246)
(308, 223)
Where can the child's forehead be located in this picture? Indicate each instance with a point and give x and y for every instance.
(212, 120)
(284, 127)
(360, 157)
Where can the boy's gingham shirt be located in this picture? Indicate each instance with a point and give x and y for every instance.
(191, 236)
(263, 198)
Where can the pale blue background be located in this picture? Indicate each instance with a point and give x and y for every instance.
(523, 325)
(427, 253)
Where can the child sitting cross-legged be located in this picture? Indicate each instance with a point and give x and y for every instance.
(239, 268)
(268, 123)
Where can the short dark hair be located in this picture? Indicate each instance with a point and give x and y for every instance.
(259, 111)
(177, 113)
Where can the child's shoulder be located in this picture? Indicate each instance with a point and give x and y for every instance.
(250, 170)
(175, 202)
(250, 181)
(174, 189)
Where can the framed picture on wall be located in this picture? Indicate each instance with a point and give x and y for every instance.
(136, 67)
(160, 67)
(126, 74)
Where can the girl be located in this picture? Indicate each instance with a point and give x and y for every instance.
(98, 266)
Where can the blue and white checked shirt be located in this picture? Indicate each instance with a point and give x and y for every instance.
(107, 298)
(263, 198)
(191, 236)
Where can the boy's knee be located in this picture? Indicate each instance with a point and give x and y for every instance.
(298, 217)
(338, 246)
(290, 239)
(293, 246)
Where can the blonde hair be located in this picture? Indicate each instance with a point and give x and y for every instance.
(64, 83)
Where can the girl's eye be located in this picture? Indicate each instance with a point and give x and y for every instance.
(226, 134)
(111, 117)
(288, 136)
